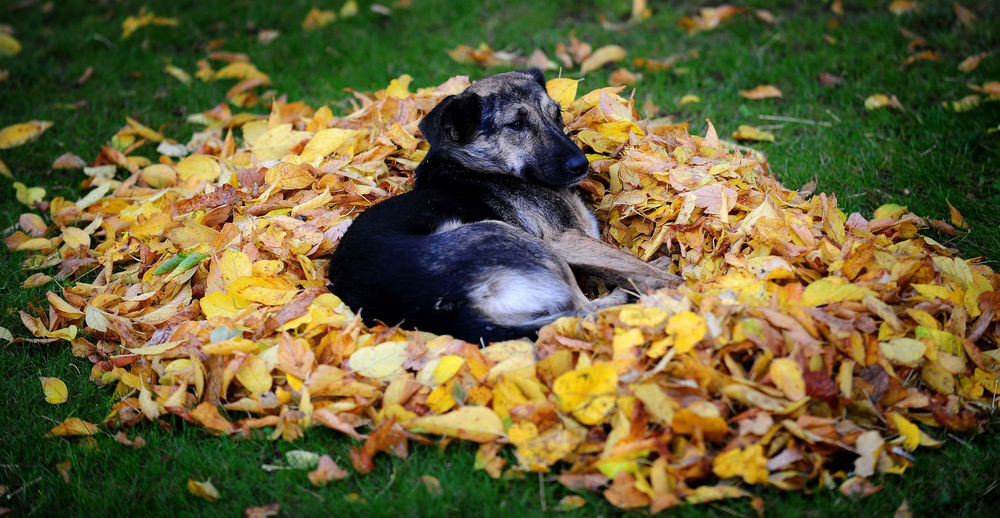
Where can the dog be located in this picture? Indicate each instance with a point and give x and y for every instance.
(487, 244)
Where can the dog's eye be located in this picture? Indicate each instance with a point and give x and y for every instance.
(516, 124)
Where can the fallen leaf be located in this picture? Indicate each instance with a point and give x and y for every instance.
(956, 217)
(36, 280)
(432, 485)
(68, 161)
(471, 423)
(326, 470)
(20, 134)
(55, 390)
(203, 490)
(73, 426)
(602, 56)
(144, 18)
(751, 133)
(829, 80)
(9, 46)
(318, 18)
(570, 503)
(761, 92)
(877, 101)
(901, 7)
(972, 62)
(964, 15)
(28, 195)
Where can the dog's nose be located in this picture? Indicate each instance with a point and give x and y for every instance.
(578, 163)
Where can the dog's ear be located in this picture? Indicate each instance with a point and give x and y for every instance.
(456, 118)
(537, 74)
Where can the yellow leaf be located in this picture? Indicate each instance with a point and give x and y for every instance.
(942, 381)
(787, 376)
(276, 142)
(178, 73)
(832, 289)
(382, 362)
(956, 217)
(55, 390)
(144, 18)
(471, 423)
(326, 142)
(967, 103)
(602, 56)
(9, 46)
(905, 351)
(687, 329)
(28, 195)
(562, 90)
(399, 87)
(541, 451)
(254, 374)
(587, 392)
(73, 426)
(440, 400)
(877, 101)
(223, 304)
(909, 433)
(570, 503)
(36, 280)
(447, 367)
(748, 463)
(198, 168)
(203, 489)
(889, 211)
(317, 18)
(349, 9)
(19, 134)
(761, 92)
(241, 70)
(638, 315)
(688, 99)
(271, 290)
(233, 264)
(751, 133)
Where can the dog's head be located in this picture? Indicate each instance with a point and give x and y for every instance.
(506, 124)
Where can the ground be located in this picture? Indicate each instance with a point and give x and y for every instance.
(923, 157)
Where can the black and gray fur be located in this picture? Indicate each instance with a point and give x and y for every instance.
(487, 245)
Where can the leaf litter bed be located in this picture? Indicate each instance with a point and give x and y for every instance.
(803, 351)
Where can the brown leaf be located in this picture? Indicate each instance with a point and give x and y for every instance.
(326, 471)
(264, 511)
(761, 92)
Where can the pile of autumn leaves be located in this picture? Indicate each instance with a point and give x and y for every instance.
(803, 350)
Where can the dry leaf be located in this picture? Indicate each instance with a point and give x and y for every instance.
(55, 390)
(761, 92)
(20, 134)
(318, 18)
(751, 133)
(203, 490)
(602, 56)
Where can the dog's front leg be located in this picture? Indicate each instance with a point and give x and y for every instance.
(590, 256)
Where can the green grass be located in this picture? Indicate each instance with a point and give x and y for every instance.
(919, 158)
